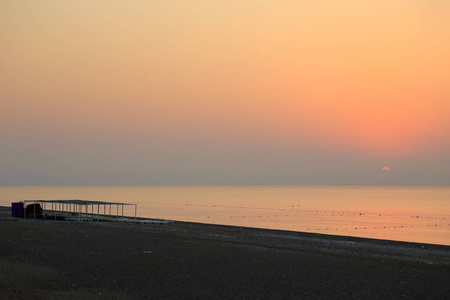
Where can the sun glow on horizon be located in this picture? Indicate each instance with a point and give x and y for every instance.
(214, 85)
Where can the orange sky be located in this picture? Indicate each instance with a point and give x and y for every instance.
(283, 83)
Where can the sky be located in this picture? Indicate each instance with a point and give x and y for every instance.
(201, 92)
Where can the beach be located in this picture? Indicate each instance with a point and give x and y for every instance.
(48, 259)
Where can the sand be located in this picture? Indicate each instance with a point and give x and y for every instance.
(48, 259)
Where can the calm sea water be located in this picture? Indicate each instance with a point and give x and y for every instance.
(414, 214)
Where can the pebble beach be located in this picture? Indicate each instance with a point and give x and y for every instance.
(49, 259)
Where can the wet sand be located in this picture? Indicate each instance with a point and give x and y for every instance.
(47, 259)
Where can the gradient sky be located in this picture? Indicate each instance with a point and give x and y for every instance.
(322, 92)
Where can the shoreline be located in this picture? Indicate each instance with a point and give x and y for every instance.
(49, 259)
(347, 238)
(340, 243)
(146, 220)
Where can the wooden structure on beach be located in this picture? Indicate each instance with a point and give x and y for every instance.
(76, 209)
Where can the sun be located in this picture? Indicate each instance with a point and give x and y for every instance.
(386, 168)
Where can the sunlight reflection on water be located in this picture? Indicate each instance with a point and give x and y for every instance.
(415, 214)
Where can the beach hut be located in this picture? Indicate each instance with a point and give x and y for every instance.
(17, 210)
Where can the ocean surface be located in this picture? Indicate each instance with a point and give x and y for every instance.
(413, 214)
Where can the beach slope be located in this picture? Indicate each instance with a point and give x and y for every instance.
(75, 260)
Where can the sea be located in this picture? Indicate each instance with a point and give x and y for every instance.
(410, 214)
